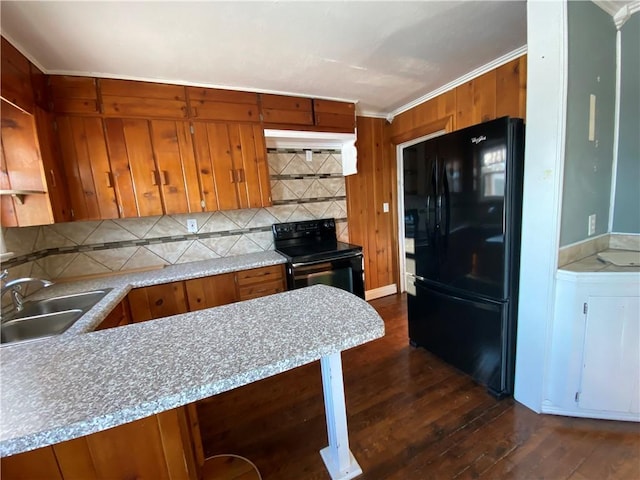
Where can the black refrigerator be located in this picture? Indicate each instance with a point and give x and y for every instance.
(463, 206)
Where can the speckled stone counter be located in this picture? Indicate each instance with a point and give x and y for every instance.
(58, 390)
(122, 284)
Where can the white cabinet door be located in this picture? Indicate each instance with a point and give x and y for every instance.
(611, 372)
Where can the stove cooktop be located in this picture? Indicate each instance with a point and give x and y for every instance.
(311, 241)
(318, 251)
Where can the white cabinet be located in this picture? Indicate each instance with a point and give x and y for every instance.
(593, 367)
(611, 360)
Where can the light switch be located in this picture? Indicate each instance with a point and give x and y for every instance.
(385, 207)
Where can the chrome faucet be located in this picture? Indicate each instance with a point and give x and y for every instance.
(15, 288)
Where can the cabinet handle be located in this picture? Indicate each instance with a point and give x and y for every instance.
(53, 178)
(240, 175)
(194, 111)
(164, 177)
(154, 177)
(232, 176)
(109, 179)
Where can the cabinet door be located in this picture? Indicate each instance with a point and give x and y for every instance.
(22, 170)
(73, 94)
(211, 291)
(176, 166)
(215, 166)
(129, 98)
(250, 163)
(36, 464)
(611, 372)
(136, 176)
(335, 116)
(281, 109)
(118, 317)
(155, 447)
(87, 168)
(16, 77)
(53, 168)
(157, 301)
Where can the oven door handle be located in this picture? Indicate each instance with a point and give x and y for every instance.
(344, 256)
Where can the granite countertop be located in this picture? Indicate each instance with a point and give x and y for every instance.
(593, 264)
(123, 283)
(57, 391)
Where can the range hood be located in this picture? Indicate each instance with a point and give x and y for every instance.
(317, 140)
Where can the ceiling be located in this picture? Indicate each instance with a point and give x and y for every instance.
(382, 55)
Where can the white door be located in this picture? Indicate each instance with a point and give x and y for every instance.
(611, 371)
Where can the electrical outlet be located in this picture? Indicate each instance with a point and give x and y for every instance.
(192, 225)
(592, 224)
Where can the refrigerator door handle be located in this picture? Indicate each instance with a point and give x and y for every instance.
(415, 277)
(447, 204)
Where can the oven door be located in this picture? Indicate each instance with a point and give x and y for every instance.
(345, 273)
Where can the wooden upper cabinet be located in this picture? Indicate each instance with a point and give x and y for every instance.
(232, 165)
(21, 169)
(227, 105)
(134, 170)
(153, 165)
(73, 94)
(52, 164)
(128, 98)
(87, 168)
(281, 109)
(335, 115)
(15, 74)
(176, 166)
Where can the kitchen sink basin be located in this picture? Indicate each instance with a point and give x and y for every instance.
(48, 317)
(38, 326)
(82, 301)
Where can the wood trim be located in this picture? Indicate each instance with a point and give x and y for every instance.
(381, 292)
(445, 123)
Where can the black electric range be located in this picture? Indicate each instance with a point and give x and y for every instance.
(315, 256)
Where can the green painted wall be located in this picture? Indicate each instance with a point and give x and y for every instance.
(588, 165)
(626, 214)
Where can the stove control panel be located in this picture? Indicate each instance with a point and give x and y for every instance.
(322, 228)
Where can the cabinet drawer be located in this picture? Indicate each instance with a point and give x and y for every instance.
(258, 275)
(261, 289)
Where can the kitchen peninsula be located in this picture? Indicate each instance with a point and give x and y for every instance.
(70, 386)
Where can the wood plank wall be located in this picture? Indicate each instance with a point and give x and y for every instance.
(497, 93)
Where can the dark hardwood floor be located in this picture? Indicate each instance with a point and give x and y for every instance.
(411, 416)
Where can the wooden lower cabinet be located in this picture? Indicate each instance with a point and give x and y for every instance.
(119, 316)
(208, 292)
(258, 282)
(227, 288)
(158, 447)
(157, 301)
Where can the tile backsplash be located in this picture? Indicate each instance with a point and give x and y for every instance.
(301, 190)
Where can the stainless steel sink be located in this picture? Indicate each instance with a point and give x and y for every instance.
(38, 326)
(82, 301)
(48, 317)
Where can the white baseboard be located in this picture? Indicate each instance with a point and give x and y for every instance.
(381, 292)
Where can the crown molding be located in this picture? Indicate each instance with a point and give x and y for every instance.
(620, 14)
(518, 52)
